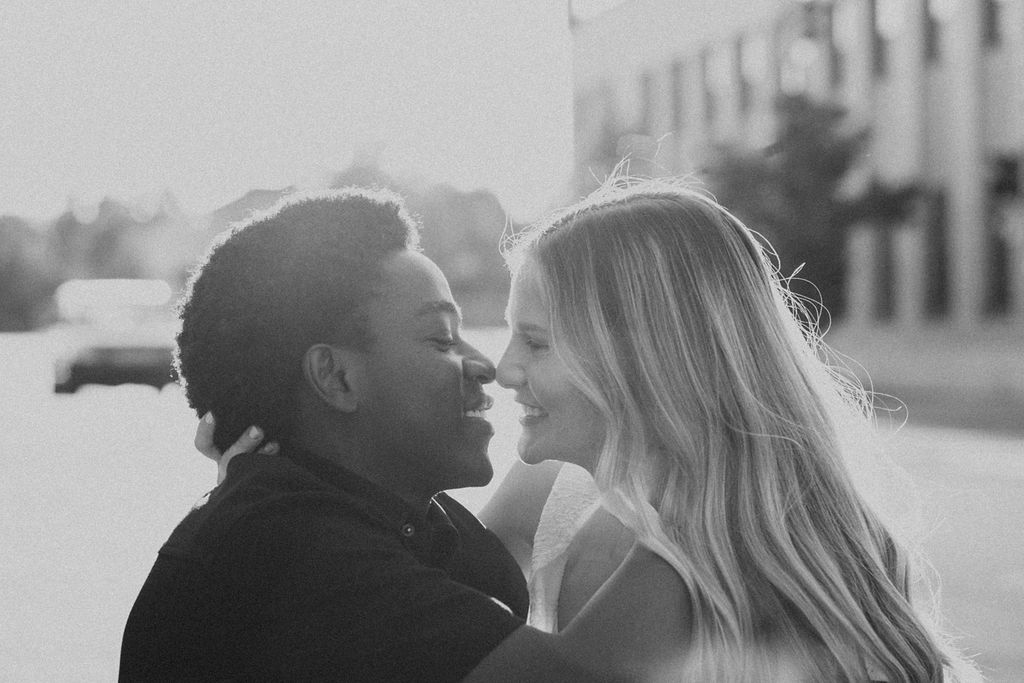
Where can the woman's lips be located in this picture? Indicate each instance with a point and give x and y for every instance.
(531, 415)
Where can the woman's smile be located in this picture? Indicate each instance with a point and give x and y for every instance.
(531, 415)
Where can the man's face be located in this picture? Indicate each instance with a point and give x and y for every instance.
(422, 394)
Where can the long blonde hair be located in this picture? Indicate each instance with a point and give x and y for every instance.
(722, 440)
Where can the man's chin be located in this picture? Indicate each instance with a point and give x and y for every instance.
(475, 469)
(480, 474)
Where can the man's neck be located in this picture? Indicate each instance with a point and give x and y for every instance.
(360, 458)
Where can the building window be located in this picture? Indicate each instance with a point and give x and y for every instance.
(997, 261)
(677, 86)
(844, 29)
(1006, 178)
(752, 67)
(885, 273)
(835, 57)
(646, 124)
(744, 89)
(936, 292)
(579, 112)
(800, 62)
(1004, 187)
(931, 32)
(992, 19)
(879, 48)
(888, 18)
(706, 80)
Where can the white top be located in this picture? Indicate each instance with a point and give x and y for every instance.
(574, 498)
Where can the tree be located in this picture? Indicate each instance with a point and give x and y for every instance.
(26, 281)
(461, 233)
(795, 192)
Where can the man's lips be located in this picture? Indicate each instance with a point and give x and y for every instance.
(476, 408)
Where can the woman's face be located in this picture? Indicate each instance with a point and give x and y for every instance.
(559, 422)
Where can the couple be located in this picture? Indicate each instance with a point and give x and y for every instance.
(652, 345)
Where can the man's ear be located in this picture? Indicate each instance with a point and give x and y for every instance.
(333, 374)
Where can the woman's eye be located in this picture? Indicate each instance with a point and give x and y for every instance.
(535, 345)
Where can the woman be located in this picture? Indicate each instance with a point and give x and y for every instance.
(654, 346)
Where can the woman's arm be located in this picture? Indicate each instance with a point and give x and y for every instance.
(635, 629)
(246, 443)
(513, 512)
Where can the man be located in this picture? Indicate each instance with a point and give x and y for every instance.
(322, 323)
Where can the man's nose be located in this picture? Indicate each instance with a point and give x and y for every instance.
(478, 367)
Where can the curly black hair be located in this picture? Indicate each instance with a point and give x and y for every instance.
(295, 276)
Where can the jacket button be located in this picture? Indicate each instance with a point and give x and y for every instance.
(408, 530)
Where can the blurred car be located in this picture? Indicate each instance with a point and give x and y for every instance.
(113, 332)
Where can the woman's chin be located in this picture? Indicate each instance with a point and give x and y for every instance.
(531, 456)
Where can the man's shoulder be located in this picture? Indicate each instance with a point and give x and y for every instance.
(267, 498)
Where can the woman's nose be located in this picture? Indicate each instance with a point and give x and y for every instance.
(509, 374)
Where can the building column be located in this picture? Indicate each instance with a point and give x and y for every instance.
(1013, 224)
(1013, 14)
(857, 95)
(908, 244)
(698, 134)
(967, 176)
(1013, 212)
(861, 248)
(905, 155)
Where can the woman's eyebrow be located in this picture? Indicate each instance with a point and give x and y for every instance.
(531, 327)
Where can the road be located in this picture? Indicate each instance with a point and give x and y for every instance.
(93, 483)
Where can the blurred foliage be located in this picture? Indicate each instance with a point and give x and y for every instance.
(803, 192)
(798, 193)
(27, 280)
(461, 232)
(616, 148)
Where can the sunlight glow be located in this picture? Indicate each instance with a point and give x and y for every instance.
(891, 18)
(77, 299)
(104, 98)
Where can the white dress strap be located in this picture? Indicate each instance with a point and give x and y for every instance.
(573, 500)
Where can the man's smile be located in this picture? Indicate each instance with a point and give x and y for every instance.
(477, 408)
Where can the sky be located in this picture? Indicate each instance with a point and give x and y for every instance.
(212, 99)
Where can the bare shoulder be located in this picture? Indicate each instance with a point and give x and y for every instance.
(658, 585)
(597, 550)
(639, 622)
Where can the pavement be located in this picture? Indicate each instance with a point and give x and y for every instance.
(965, 378)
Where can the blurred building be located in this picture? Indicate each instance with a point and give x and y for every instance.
(940, 84)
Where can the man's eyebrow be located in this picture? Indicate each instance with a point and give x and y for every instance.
(440, 306)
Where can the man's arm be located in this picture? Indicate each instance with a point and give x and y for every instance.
(337, 603)
(529, 655)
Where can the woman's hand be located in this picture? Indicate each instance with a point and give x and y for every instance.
(246, 443)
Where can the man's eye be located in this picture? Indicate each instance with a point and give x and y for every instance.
(444, 343)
